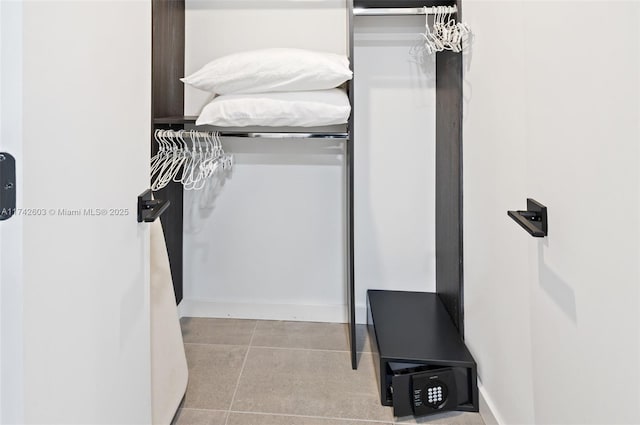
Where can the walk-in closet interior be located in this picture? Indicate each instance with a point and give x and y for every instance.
(359, 223)
(336, 275)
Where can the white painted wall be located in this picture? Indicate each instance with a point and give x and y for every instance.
(269, 243)
(394, 158)
(86, 110)
(1, 308)
(11, 243)
(552, 113)
(216, 28)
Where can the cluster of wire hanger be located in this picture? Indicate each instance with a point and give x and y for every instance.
(446, 33)
(188, 163)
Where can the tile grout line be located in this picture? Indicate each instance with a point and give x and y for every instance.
(272, 347)
(201, 409)
(372, 421)
(276, 348)
(292, 415)
(305, 349)
(244, 362)
(222, 345)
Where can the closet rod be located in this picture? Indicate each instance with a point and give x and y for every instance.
(273, 135)
(389, 11)
(285, 135)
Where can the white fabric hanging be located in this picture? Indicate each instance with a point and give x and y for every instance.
(169, 373)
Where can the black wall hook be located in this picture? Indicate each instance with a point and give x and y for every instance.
(534, 220)
(7, 185)
(150, 209)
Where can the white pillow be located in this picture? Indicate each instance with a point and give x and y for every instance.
(289, 109)
(272, 70)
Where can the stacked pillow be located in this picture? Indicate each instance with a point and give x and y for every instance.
(275, 88)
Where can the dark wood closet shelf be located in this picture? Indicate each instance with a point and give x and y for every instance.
(188, 119)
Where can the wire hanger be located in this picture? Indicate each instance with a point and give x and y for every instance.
(193, 164)
(445, 34)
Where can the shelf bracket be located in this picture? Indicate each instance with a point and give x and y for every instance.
(533, 220)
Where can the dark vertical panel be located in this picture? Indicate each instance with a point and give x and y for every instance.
(449, 277)
(168, 100)
(168, 58)
(350, 210)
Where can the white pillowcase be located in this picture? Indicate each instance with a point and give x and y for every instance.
(272, 70)
(290, 109)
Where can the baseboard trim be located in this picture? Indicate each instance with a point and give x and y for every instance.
(488, 411)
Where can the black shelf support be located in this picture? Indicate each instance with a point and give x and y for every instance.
(7, 185)
(150, 209)
(533, 220)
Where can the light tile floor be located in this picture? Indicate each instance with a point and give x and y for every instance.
(255, 372)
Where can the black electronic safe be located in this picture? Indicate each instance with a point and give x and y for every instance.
(422, 363)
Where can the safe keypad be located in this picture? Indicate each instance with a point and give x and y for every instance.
(434, 395)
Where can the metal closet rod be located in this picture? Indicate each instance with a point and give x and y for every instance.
(389, 11)
(270, 135)
(256, 135)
